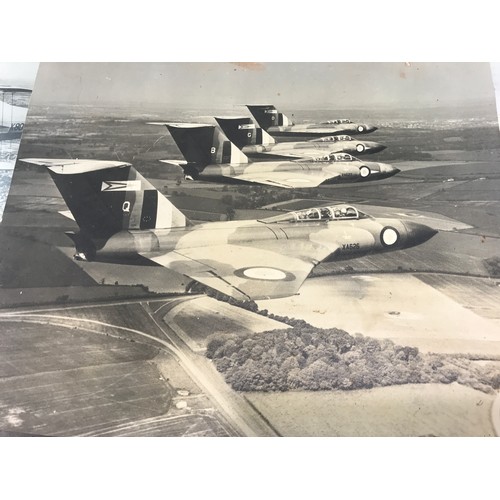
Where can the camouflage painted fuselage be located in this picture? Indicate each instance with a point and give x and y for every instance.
(261, 259)
(122, 217)
(353, 146)
(320, 130)
(347, 238)
(279, 125)
(299, 173)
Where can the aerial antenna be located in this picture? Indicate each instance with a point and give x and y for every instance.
(69, 154)
(154, 143)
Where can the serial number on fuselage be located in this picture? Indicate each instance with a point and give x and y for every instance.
(350, 246)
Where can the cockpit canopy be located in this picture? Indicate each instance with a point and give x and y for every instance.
(334, 138)
(332, 213)
(338, 157)
(342, 157)
(339, 121)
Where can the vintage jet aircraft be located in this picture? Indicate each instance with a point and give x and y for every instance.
(279, 125)
(12, 117)
(210, 156)
(123, 218)
(254, 141)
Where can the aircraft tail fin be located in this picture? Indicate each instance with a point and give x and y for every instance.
(242, 131)
(105, 197)
(267, 116)
(203, 145)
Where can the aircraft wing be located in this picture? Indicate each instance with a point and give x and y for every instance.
(297, 154)
(313, 130)
(175, 163)
(261, 270)
(290, 180)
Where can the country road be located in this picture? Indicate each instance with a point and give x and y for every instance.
(242, 418)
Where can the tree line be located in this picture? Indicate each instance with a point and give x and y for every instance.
(308, 358)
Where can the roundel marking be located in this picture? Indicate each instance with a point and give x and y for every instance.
(364, 171)
(389, 236)
(360, 148)
(264, 273)
(360, 128)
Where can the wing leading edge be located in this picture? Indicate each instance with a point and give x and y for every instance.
(290, 180)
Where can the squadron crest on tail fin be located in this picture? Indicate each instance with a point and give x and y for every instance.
(107, 197)
(203, 145)
(267, 116)
(242, 131)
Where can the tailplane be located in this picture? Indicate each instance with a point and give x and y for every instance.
(242, 131)
(267, 116)
(106, 197)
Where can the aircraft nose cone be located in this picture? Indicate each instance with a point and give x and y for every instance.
(388, 170)
(374, 147)
(417, 234)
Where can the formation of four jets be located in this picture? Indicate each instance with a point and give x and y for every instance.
(123, 219)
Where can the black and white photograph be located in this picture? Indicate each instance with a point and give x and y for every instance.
(253, 249)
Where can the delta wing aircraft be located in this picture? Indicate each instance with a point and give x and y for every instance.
(279, 125)
(211, 156)
(12, 117)
(254, 141)
(123, 218)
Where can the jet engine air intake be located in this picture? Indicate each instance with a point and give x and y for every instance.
(364, 171)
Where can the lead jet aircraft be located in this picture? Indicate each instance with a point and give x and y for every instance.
(12, 117)
(254, 141)
(210, 156)
(279, 125)
(123, 218)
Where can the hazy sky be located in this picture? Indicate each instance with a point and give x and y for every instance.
(301, 85)
(18, 74)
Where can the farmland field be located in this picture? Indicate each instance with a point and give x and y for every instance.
(410, 410)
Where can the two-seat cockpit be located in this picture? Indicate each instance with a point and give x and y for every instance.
(334, 138)
(339, 121)
(337, 157)
(327, 214)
